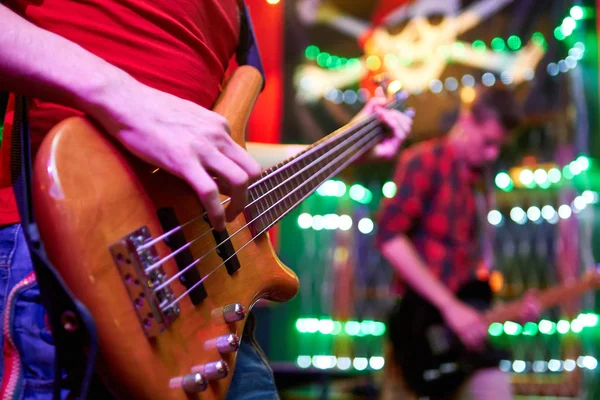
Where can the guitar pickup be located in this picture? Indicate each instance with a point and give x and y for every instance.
(184, 258)
(225, 249)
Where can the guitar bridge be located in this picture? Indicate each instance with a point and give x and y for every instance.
(132, 263)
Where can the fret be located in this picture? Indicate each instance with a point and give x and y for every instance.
(285, 189)
(309, 170)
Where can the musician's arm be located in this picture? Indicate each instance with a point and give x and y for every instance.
(38, 63)
(402, 255)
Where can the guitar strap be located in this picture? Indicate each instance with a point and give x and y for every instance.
(73, 327)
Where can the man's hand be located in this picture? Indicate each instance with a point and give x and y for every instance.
(176, 135)
(467, 323)
(531, 308)
(183, 138)
(398, 123)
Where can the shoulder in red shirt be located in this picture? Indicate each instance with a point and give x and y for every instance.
(181, 47)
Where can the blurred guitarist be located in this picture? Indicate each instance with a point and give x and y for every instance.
(428, 231)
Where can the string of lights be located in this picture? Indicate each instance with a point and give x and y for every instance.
(327, 326)
(513, 43)
(518, 366)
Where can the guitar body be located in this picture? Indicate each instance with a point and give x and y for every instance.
(431, 357)
(89, 194)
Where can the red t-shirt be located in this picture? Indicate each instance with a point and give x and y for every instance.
(182, 47)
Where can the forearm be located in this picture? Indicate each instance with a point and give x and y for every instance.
(38, 63)
(267, 154)
(403, 256)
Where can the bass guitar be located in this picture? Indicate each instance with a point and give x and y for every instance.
(432, 359)
(169, 294)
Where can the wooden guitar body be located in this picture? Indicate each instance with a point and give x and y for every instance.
(91, 198)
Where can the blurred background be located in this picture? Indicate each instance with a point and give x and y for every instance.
(320, 58)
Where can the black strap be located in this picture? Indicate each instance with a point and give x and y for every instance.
(247, 52)
(73, 327)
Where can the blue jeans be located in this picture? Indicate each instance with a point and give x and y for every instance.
(27, 362)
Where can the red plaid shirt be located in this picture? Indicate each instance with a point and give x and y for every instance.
(435, 207)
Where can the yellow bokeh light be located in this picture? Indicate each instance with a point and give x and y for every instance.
(340, 255)
(272, 1)
(394, 87)
(373, 63)
(496, 281)
(467, 94)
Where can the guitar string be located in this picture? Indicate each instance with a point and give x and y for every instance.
(365, 121)
(182, 248)
(359, 143)
(373, 139)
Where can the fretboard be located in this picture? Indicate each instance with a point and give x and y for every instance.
(284, 186)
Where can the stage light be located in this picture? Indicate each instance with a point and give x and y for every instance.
(436, 86)
(318, 223)
(568, 26)
(344, 363)
(494, 217)
(530, 329)
(365, 226)
(479, 45)
(303, 361)
(552, 69)
(498, 44)
(312, 52)
(564, 211)
(526, 177)
(468, 80)
(495, 329)
(345, 222)
(389, 189)
(360, 363)
(554, 365)
(326, 326)
(583, 162)
(539, 39)
(519, 366)
(547, 327)
(576, 12)
(352, 328)
(576, 326)
(518, 215)
(548, 212)
(540, 176)
(376, 363)
(451, 84)
(554, 175)
(305, 221)
(503, 181)
(488, 79)
(558, 33)
(512, 328)
(570, 365)
(514, 42)
(563, 327)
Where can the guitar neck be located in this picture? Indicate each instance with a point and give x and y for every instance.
(284, 186)
(546, 299)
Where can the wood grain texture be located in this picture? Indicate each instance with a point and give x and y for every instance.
(89, 193)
